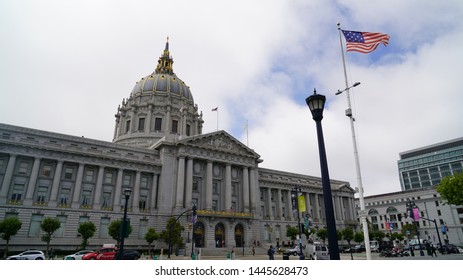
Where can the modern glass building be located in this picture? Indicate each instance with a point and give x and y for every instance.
(427, 166)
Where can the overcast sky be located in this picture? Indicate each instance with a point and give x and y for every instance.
(65, 66)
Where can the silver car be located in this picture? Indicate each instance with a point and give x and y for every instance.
(77, 255)
(28, 255)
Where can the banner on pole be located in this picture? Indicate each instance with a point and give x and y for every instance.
(301, 202)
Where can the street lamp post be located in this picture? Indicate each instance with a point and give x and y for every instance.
(295, 193)
(410, 209)
(316, 104)
(127, 193)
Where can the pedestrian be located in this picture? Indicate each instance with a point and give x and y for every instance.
(270, 253)
(433, 249)
(253, 251)
(52, 254)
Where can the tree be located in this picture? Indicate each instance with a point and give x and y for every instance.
(292, 233)
(322, 234)
(8, 228)
(86, 231)
(451, 189)
(358, 237)
(49, 225)
(176, 239)
(114, 230)
(150, 236)
(348, 235)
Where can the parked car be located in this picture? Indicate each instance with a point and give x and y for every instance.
(294, 251)
(460, 249)
(108, 252)
(77, 255)
(316, 251)
(358, 248)
(28, 255)
(449, 249)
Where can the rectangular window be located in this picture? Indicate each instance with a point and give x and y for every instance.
(157, 124)
(17, 192)
(34, 229)
(64, 197)
(41, 194)
(106, 203)
(174, 126)
(86, 196)
(141, 124)
(104, 225)
(214, 205)
(142, 203)
(127, 179)
(68, 172)
(46, 170)
(60, 232)
(127, 127)
(143, 229)
(108, 177)
(188, 130)
(89, 175)
(144, 182)
(23, 168)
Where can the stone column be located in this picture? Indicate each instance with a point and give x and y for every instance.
(154, 191)
(180, 182)
(7, 179)
(29, 199)
(118, 191)
(228, 188)
(75, 198)
(56, 182)
(135, 196)
(149, 118)
(98, 189)
(279, 207)
(268, 202)
(246, 189)
(189, 183)
(253, 188)
(209, 186)
(316, 211)
(307, 203)
(289, 211)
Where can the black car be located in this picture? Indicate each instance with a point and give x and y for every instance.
(449, 249)
(131, 255)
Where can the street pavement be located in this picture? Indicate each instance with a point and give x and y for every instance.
(344, 256)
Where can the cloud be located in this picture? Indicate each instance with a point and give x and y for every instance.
(66, 66)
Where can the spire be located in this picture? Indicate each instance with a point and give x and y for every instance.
(165, 61)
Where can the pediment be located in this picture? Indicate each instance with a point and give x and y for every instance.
(219, 141)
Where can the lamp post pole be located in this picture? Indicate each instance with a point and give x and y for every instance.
(411, 206)
(295, 194)
(120, 253)
(316, 104)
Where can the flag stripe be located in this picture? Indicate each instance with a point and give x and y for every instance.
(364, 42)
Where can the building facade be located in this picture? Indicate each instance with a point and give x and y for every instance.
(160, 153)
(427, 166)
(387, 213)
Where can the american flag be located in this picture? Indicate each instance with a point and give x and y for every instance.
(364, 42)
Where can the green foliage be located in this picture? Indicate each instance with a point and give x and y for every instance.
(348, 234)
(292, 233)
(49, 225)
(150, 236)
(322, 234)
(176, 239)
(114, 230)
(86, 230)
(8, 228)
(358, 237)
(451, 189)
(411, 228)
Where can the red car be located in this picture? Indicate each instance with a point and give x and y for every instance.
(105, 253)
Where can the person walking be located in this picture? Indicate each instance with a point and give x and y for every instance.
(433, 250)
(253, 251)
(270, 253)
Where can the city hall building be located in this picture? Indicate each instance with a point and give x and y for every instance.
(160, 153)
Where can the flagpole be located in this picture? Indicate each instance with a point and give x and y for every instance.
(247, 134)
(362, 212)
(217, 119)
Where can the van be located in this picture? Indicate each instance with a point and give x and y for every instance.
(316, 251)
(374, 246)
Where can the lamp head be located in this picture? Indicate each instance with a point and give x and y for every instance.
(127, 193)
(316, 103)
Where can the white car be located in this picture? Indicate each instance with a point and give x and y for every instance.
(28, 255)
(295, 250)
(77, 255)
